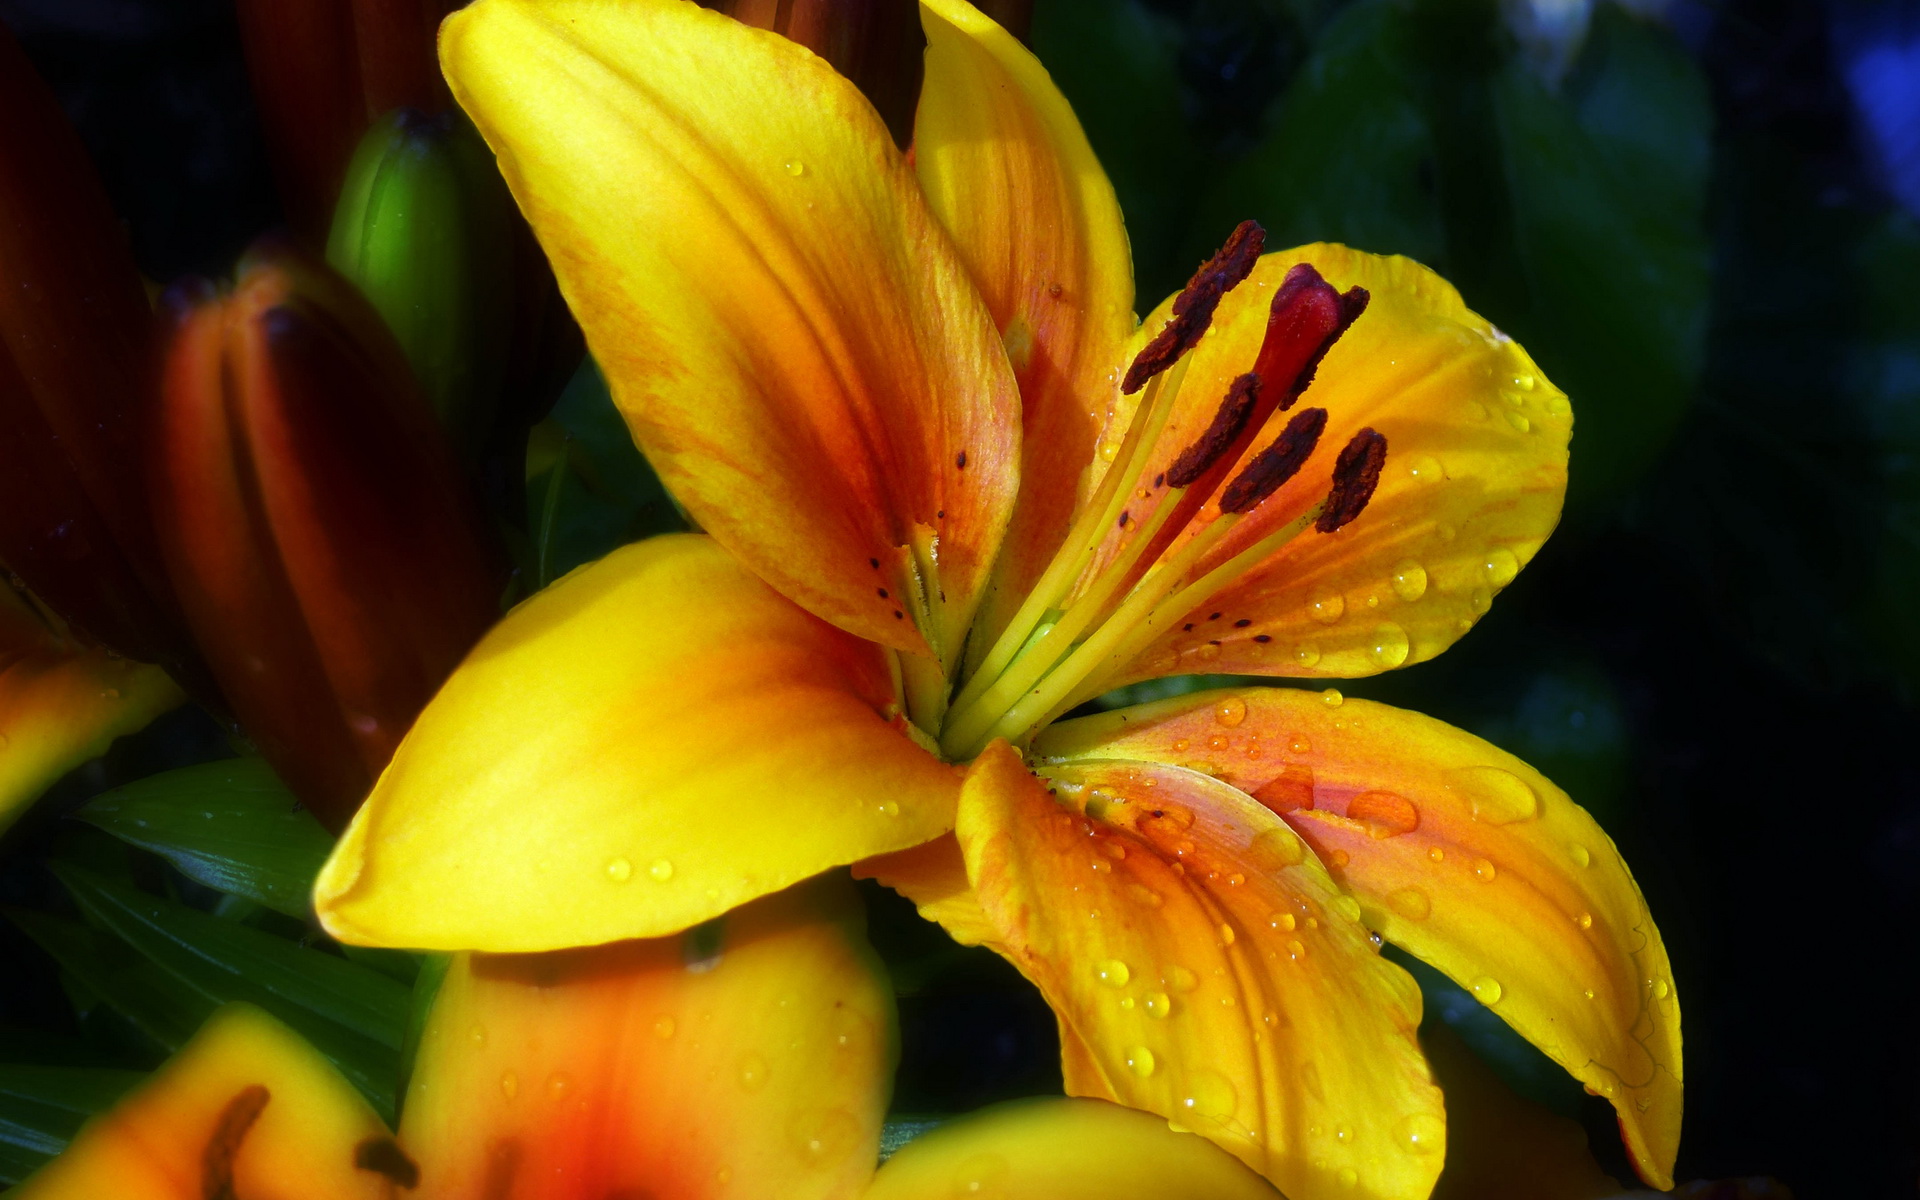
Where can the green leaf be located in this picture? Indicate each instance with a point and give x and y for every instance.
(41, 1108)
(231, 825)
(1350, 152)
(353, 1015)
(1608, 197)
(158, 1005)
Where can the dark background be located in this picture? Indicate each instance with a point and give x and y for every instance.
(1704, 229)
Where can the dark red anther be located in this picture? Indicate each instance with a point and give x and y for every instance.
(1193, 307)
(1276, 464)
(1228, 423)
(1355, 474)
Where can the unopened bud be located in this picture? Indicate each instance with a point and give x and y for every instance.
(317, 527)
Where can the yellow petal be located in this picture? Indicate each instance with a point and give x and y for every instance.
(1211, 970)
(1460, 853)
(647, 743)
(62, 703)
(751, 1059)
(1475, 473)
(1058, 1149)
(1008, 171)
(790, 335)
(934, 876)
(246, 1109)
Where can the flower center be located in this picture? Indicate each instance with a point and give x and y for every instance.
(1086, 619)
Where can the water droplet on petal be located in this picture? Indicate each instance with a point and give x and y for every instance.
(983, 1175)
(1487, 990)
(1584, 920)
(661, 870)
(1385, 814)
(1332, 698)
(1347, 906)
(1411, 903)
(1519, 420)
(1495, 796)
(1484, 870)
(619, 870)
(794, 167)
(889, 808)
(753, 1073)
(1437, 854)
(824, 1138)
(1500, 566)
(1159, 1004)
(1421, 1133)
(1409, 581)
(1299, 744)
(1277, 848)
(1306, 654)
(1180, 979)
(1387, 645)
(1109, 450)
(663, 1028)
(1660, 989)
(1284, 922)
(1580, 855)
(1327, 608)
(1296, 950)
(1230, 711)
(1140, 1061)
(1113, 973)
(478, 1035)
(558, 1085)
(509, 1085)
(1209, 1094)
(1226, 934)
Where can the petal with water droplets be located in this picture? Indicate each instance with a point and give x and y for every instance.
(1206, 964)
(1463, 855)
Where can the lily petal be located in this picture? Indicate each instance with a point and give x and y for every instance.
(749, 1058)
(244, 1109)
(1474, 478)
(62, 703)
(789, 333)
(1212, 971)
(651, 741)
(1009, 173)
(1462, 854)
(1059, 1149)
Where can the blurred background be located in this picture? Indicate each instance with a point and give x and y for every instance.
(1703, 221)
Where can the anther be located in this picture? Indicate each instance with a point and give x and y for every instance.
(383, 1156)
(1193, 307)
(236, 1121)
(1278, 463)
(1228, 422)
(1355, 474)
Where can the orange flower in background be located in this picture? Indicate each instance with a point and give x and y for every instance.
(752, 1059)
(953, 493)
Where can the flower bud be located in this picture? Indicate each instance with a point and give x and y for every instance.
(424, 227)
(75, 338)
(328, 555)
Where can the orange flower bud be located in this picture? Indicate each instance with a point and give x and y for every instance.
(74, 342)
(324, 544)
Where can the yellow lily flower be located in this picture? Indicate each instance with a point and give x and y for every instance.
(953, 492)
(752, 1061)
(62, 700)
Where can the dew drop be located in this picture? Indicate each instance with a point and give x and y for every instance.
(1180, 979)
(1296, 950)
(1584, 920)
(1411, 903)
(1500, 566)
(1437, 854)
(1226, 934)
(1207, 653)
(1101, 866)
(1328, 608)
(1347, 906)
(1409, 581)
(794, 167)
(1339, 858)
(1348, 1177)
(1299, 744)
(1113, 973)
(1332, 698)
(1140, 1061)
(1230, 711)
(1306, 654)
(1495, 796)
(1486, 989)
(1580, 855)
(1219, 741)
(1180, 745)
(558, 1085)
(1210, 1094)
(1109, 450)
(619, 870)
(980, 1176)
(753, 1073)
(663, 1028)
(1277, 848)
(1343, 1134)
(825, 1137)
(889, 808)
(1660, 989)
(1557, 406)
(1159, 1004)
(1588, 993)
(1479, 601)
(1421, 1133)
(509, 1085)
(478, 1035)
(1387, 645)
(1484, 870)
(1284, 922)
(1385, 814)
(1126, 1004)
(1143, 895)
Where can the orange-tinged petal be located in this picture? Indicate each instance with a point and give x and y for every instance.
(934, 876)
(1475, 473)
(1060, 1149)
(789, 333)
(751, 1059)
(1459, 852)
(1212, 971)
(62, 703)
(652, 740)
(245, 1109)
(1008, 171)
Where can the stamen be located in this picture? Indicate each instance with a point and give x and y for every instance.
(236, 1121)
(1228, 421)
(1276, 464)
(1355, 474)
(1193, 307)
